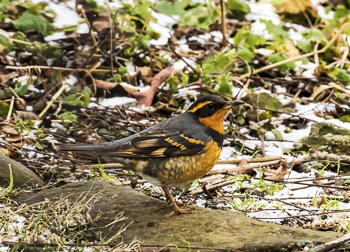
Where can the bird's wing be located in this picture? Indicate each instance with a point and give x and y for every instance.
(158, 143)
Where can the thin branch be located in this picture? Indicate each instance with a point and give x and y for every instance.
(223, 23)
(295, 58)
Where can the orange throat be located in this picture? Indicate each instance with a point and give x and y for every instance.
(216, 121)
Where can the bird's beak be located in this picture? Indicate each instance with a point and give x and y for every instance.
(231, 104)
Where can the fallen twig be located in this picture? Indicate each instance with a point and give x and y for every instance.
(223, 23)
(242, 168)
(295, 58)
(317, 155)
(332, 244)
(10, 110)
(213, 187)
(58, 68)
(253, 160)
(59, 92)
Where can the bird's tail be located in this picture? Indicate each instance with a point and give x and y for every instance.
(81, 147)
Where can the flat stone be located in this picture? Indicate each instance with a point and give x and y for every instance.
(204, 228)
(22, 176)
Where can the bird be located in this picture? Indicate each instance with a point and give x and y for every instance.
(173, 152)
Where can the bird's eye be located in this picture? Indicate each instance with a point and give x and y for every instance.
(211, 105)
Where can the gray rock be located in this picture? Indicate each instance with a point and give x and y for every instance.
(22, 176)
(336, 138)
(204, 228)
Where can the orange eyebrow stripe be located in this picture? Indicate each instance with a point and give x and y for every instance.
(201, 105)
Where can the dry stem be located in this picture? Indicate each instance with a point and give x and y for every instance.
(295, 58)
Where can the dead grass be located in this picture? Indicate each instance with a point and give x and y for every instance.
(57, 226)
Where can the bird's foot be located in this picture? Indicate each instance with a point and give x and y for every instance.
(165, 205)
(177, 210)
(169, 203)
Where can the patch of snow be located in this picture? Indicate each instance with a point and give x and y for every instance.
(114, 102)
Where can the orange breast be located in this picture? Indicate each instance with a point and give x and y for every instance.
(180, 170)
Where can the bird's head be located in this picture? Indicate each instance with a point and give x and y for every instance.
(210, 110)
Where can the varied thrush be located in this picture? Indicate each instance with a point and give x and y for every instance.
(174, 152)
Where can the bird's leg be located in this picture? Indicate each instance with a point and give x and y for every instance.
(176, 208)
(170, 202)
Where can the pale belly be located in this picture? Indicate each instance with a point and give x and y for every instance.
(176, 171)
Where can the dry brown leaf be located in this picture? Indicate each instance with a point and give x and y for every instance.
(146, 74)
(4, 151)
(5, 77)
(146, 97)
(26, 115)
(346, 195)
(289, 49)
(8, 129)
(101, 23)
(318, 90)
(241, 163)
(300, 167)
(296, 7)
(280, 173)
(112, 87)
(318, 176)
(13, 138)
(319, 201)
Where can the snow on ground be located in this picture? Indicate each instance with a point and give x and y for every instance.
(261, 10)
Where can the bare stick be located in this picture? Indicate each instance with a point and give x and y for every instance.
(59, 92)
(148, 18)
(242, 168)
(58, 68)
(253, 160)
(295, 58)
(223, 23)
(10, 110)
(104, 166)
(19, 98)
(213, 187)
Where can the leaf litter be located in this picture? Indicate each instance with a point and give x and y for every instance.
(64, 80)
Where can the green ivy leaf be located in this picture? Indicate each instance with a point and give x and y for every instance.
(277, 31)
(224, 87)
(6, 42)
(277, 57)
(122, 70)
(4, 109)
(277, 134)
(170, 7)
(238, 5)
(20, 125)
(92, 4)
(80, 99)
(142, 9)
(341, 11)
(68, 116)
(216, 64)
(245, 54)
(28, 22)
(305, 46)
(22, 90)
(314, 35)
(198, 16)
(345, 118)
(184, 80)
(340, 75)
(173, 83)
(247, 38)
(139, 42)
(4, 4)
(117, 78)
